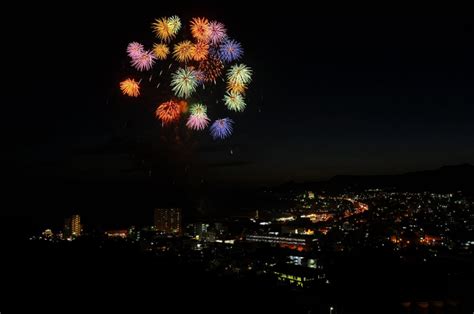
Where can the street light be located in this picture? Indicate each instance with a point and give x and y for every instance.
(331, 309)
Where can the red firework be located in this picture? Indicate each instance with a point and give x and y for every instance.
(168, 112)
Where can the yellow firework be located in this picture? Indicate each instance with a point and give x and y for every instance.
(161, 51)
(130, 87)
(164, 29)
(184, 51)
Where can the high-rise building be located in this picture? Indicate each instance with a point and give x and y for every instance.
(72, 226)
(76, 225)
(168, 220)
(200, 230)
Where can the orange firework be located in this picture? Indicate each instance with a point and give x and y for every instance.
(201, 50)
(130, 87)
(237, 88)
(168, 112)
(183, 106)
(200, 29)
(160, 51)
(184, 51)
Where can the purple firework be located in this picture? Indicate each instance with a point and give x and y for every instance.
(134, 50)
(197, 122)
(221, 128)
(200, 76)
(230, 50)
(217, 32)
(144, 61)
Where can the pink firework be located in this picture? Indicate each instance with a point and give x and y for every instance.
(217, 32)
(134, 50)
(144, 61)
(197, 122)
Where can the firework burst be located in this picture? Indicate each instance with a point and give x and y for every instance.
(144, 62)
(161, 51)
(230, 50)
(130, 87)
(166, 28)
(183, 82)
(221, 128)
(200, 51)
(234, 101)
(200, 76)
(183, 51)
(198, 109)
(174, 23)
(237, 88)
(200, 29)
(168, 112)
(217, 32)
(239, 74)
(135, 50)
(197, 122)
(211, 68)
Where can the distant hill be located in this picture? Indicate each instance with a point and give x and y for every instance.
(446, 178)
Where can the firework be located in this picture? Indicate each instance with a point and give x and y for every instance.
(234, 101)
(211, 68)
(239, 74)
(184, 51)
(198, 109)
(144, 62)
(161, 51)
(168, 112)
(130, 87)
(221, 128)
(230, 50)
(200, 51)
(200, 29)
(197, 122)
(135, 50)
(183, 106)
(183, 82)
(174, 23)
(200, 76)
(204, 56)
(166, 28)
(217, 32)
(237, 88)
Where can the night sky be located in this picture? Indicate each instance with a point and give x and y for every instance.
(331, 95)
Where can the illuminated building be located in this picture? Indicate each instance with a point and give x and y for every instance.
(47, 233)
(168, 220)
(76, 225)
(310, 195)
(117, 233)
(295, 243)
(297, 276)
(200, 230)
(72, 227)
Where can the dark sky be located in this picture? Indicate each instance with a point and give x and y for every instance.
(331, 95)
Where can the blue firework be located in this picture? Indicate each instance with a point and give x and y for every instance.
(221, 128)
(230, 50)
